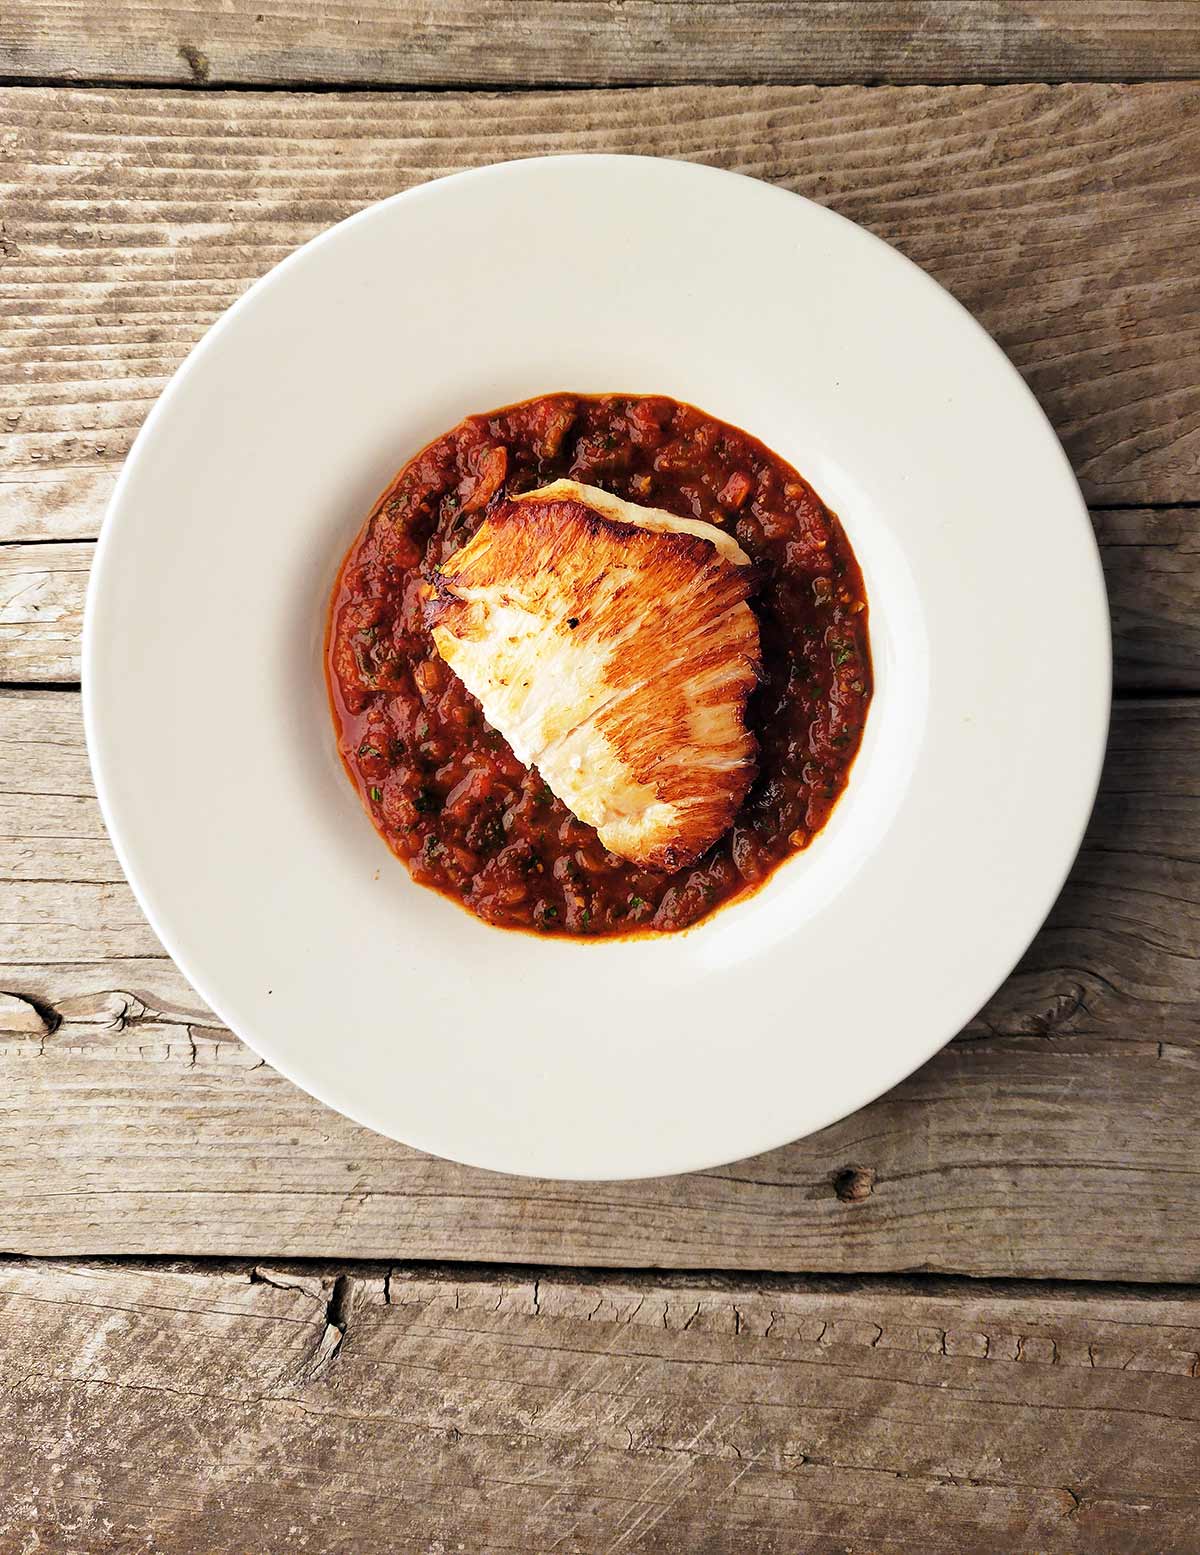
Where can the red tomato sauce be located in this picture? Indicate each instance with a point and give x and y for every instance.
(445, 790)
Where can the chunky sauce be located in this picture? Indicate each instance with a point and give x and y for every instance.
(443, 787)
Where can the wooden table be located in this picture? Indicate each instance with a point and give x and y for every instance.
(965, 1320)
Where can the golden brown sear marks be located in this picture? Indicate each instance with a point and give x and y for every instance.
(618, 660)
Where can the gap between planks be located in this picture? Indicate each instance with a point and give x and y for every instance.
(518, 89)
(449, 1271)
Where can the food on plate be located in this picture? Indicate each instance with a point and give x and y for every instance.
(613, 648)
(658, 519)
(692, 729)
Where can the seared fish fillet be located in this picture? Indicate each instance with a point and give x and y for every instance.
(658, 519)
(613, 648)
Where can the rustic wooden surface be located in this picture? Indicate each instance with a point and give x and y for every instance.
(134, 1123)
(395, 1410)
(1063, 217)
(214, 1407)
(599, 42)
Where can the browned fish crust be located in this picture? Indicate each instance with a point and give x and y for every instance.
(663, 652)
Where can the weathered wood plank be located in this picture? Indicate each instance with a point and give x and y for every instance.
(132, 219)
(132, 1122)
(395, 1411)
(1152, 568)
(37, 504)
(1151, 560)
(589, 42)
(42, 589)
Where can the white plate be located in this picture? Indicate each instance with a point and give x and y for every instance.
(212, 743)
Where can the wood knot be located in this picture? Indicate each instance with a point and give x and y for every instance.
(853, 1184)
(196, 60)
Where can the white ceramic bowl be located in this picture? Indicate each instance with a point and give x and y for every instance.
(212, 742)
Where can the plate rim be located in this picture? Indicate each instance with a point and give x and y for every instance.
(884, 1077)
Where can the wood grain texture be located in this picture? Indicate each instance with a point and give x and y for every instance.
(594, 42)
(1056, 1137)
(188, 1411)
(42, 589)
(1151, 561)
(1065, 218)
(1152, 569)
